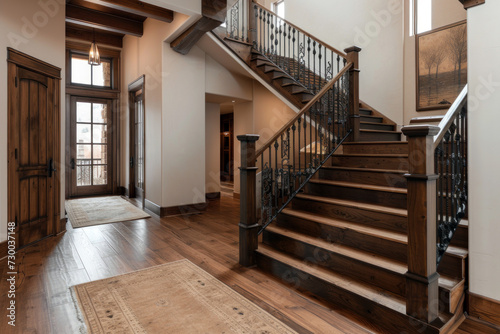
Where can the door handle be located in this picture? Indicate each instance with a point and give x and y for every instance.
(131, 162)
(50, 167)
(72, 163)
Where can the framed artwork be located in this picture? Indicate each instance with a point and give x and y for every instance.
(441, 66)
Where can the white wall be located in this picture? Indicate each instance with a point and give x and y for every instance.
(38, 29)
(144, 56)
(222, 82)
(444, 12)
(243, 124)
(484, 143)
(374, 25)
(212, 148)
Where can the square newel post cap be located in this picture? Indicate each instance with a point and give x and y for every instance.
(352, 49)
(248, 138)
(420, 130)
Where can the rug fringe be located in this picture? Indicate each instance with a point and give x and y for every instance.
(82, 328)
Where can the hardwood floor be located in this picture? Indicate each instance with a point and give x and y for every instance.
(209, 240)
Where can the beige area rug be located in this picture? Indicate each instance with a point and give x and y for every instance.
(101, 210)
(176, 297)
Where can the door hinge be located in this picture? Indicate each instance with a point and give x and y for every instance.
(16, 81)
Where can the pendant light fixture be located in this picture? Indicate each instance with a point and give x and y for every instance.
(94, 58)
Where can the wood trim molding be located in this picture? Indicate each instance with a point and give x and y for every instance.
(484, 308)
(174, 210)
(34, 64)
(3, 249)
(212, 196)
(472, 3)
(236, 195)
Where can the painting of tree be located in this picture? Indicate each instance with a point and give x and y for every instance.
(441, 66)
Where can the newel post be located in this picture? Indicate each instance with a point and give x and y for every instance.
(248, 216)
(252, 22)
(353, 57)
(422, 299)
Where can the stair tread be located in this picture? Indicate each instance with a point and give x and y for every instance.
(374, 170)
(374, 123)
(360, 186)
(379, 131)
(361, 228)
(377, 295)
(357, 205)
(376, 232)
(370, 116)
(397, 267)
(370, 155)
(384, 142)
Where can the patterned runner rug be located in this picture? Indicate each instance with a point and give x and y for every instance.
(101, 210)
(177, 297)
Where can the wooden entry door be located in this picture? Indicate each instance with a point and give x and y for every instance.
(91, 146)
(34, 148)
(226, 147)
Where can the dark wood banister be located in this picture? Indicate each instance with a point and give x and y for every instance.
(340, 53)
(304, 109)
(450, 116)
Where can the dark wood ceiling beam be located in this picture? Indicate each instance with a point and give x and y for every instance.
(471, 3)
(101, 38)
(99, 20)
(214, 14)
(138, 8)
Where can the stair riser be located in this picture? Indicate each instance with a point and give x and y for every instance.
(369, 136)
(372, 178)
(355, 269)
(395, 200)
(365, 112)
(369, 218)
(346, 266)
(370, 119)
(394, 163)
(348, 237)
(368, 148)
(461, 237)
(381, 127)
(452, 266)
(371, 310)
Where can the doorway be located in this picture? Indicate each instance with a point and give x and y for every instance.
(34, 148)
(91, 146)
(137, 175)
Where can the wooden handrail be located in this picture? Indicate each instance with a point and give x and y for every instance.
(340, 53)
(303, 110)
(450, 116)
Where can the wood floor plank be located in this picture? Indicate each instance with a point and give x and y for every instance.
(209, 240)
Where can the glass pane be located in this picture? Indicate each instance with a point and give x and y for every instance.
(83, 176)
(102, 74)
(83, 112)
(83, 154)
(80, 71)
(100, 154)
(83, 133)
(100, 175)
(100, 112)
(100, 134)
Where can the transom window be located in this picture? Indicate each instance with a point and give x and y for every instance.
(92, 75)
(279, 8)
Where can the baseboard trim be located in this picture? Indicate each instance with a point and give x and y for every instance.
(484, 308)
(3, 250)
(471, 3)
(183, 209)
(175, 210)
(236, 195)
(153, 207)
(212, 196)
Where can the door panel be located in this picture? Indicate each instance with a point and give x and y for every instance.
(139, 147)
(32, 138)
(90, 141)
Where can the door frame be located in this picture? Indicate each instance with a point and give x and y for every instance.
(133, 88)
(17, 59)
(106, 189)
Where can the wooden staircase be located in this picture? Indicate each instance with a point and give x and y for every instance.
(345, 239)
